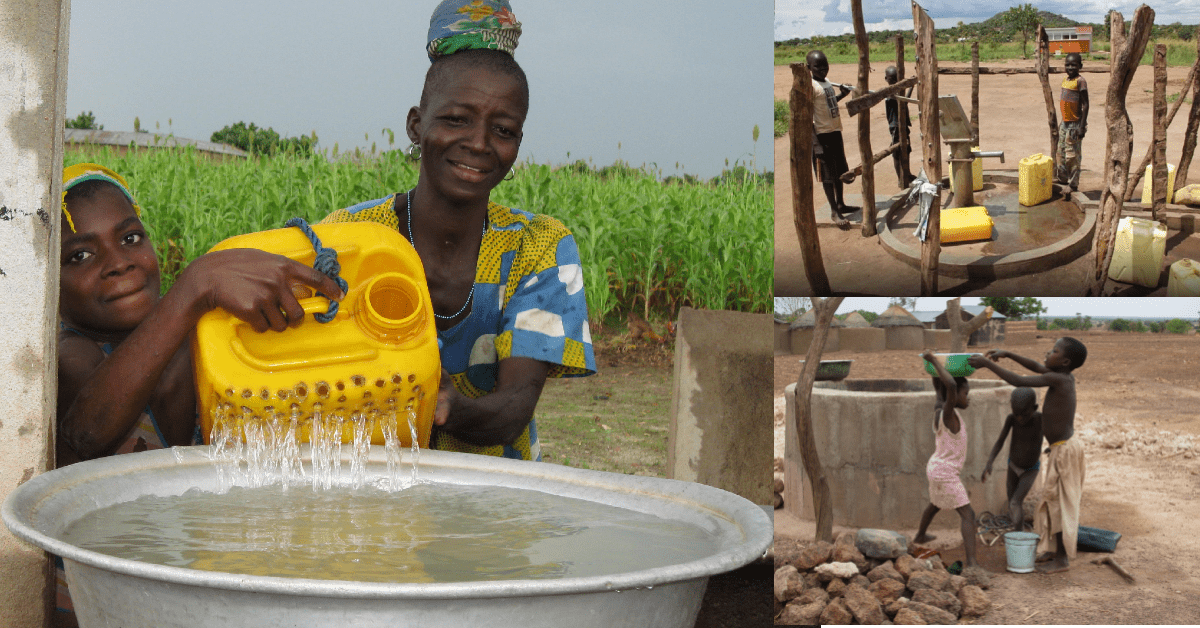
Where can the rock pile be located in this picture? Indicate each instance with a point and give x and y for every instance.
(869, 578)
(1106, 432)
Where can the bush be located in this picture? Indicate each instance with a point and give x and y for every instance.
(1120, 324)
(782, 111)
(1178, 326)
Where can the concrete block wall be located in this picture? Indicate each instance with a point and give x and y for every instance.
(873, 448)
(719, 434)
(33, 76)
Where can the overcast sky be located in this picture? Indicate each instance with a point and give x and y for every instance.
(1144, 307)
(805, 18)
(669, 81)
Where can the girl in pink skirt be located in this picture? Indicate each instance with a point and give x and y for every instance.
(946, 489)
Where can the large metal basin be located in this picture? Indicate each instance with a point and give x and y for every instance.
(109, 591)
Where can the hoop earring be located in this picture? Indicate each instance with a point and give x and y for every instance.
(512, 174)
(414, 152)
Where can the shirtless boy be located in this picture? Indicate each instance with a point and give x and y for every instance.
(1057, 517)
(1024, 453)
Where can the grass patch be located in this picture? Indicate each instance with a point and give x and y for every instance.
(615, 420)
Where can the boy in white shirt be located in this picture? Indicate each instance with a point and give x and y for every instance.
(829, 156)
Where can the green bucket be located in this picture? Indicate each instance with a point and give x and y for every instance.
(956, 364)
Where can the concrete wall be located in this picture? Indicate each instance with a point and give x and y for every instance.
(937, 339)
(800, 338)
(873, 448)
(862, 339)
(720, 432)
(33, 78)
(908, 337)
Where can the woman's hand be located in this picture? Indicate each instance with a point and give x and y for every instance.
(995, 354)
(446, 398)
(978, 361)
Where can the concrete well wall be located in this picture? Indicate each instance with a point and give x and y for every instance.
(909, 337)
(718, 434)
(874, 438)
(800, 338)
(863, 339)
(937, 339)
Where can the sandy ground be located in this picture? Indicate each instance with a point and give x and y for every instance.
(1137, 391)
(1012, 119)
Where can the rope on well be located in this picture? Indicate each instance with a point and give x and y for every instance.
(326, 263)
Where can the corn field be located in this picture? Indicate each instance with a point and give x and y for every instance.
(647, 247)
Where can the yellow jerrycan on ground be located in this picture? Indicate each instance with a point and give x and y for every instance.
(1184, 279)
(378, 355)
(1137, 255)
(1035, 182)
(1148, 184)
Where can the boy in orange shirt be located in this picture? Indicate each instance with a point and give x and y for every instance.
(1073, 102)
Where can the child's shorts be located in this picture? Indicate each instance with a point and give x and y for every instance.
(831, 163)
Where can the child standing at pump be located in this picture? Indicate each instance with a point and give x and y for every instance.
(1024, 453)
(1057, 517)
(892, 109)
(1073, 101)
(829, 155)
(946, 489)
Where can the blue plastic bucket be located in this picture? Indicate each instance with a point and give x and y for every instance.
(1021, 548)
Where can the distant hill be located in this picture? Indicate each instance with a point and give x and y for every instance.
(1048, 19)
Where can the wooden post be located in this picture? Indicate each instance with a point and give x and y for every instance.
(850, 175)
(975, 92)
(1120, 140)
(822, 501)
(960, 330)
(864, 120)
(1135, 175)
(800, 127)
(1116, 38)
(902, 119)
(931, 140)
(1189, 136)
(1158, 184)
(1043, 68)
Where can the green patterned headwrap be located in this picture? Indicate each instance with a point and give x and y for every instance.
(458, 25)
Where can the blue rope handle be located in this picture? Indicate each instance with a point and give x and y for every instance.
(326, 263)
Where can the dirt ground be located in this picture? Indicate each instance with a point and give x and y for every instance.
(1137, 400)
(1012, 119)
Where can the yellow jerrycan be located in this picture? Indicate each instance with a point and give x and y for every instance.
(1035, 182)
(378, 357)
(1138, 252)
(1148, 184)
(1184, 280)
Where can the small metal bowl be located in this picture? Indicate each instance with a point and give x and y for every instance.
(832, 370)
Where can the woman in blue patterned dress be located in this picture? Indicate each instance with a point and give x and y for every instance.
(506, 284)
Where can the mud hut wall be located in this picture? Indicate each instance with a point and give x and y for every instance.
(937, 339)
(801, 337)
(908, 337)
(782, 344)
(874, 449)
(862, 339)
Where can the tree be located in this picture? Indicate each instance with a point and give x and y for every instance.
(810, 457)
(84, 121)
(260, 141)
(908, 303)
(1023, 18)
(789, 306)
(1015, 307)
(1178, 326)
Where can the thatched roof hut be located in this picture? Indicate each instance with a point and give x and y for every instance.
(903, 329)
(855, 320)
(897, 316)
(809, 321)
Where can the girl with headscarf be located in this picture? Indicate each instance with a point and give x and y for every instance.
(506, 284)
